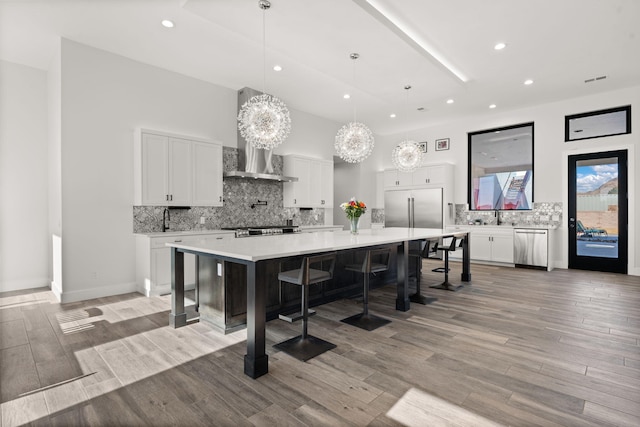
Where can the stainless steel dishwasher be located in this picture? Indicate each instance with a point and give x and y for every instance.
(530, 247)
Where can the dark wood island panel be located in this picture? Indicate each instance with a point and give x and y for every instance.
(223, 290)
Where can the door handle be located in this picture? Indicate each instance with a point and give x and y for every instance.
(572, 223)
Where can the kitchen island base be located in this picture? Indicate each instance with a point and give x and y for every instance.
(254, 253)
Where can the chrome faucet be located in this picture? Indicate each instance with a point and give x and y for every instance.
(498, 221)
(166, 217)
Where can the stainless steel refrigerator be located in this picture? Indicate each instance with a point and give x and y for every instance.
(414, 208)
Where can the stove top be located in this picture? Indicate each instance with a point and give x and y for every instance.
(264, 230)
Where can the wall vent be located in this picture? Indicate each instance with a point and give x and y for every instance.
(595, 79)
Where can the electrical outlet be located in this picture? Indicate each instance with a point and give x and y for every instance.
(202, 220)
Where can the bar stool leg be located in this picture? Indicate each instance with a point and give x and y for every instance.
(365, 320)
(305, 346)
(417, 297)
(446, 285)
(304, 310)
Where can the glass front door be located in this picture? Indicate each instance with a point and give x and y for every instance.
(598, 211)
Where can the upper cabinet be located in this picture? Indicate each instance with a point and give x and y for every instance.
(314, 188)
(207, 174)
(437, 175)
(171, 170)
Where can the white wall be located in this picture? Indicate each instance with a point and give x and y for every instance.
(104, 98)
(550, 153)
(23, 177)
(311, 136)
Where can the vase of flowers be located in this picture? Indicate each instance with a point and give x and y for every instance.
(354, 209)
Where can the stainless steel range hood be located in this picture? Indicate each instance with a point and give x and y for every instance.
(254, 163)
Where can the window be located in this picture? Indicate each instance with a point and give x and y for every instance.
(501, 168)
(595, 124)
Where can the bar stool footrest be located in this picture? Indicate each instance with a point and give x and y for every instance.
(447, 286)
(292, 317)
(304, 348)
(367, 322)
(441, 270)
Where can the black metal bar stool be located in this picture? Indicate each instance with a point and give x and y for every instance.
(305, 346)
(418, 255)
(365, 320)
(445, 269)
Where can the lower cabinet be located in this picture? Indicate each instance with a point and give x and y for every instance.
(489, 244)
(494, 247)
(153, 261)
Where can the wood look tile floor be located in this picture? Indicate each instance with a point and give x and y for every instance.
(518, 347)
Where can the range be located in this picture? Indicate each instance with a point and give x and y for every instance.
(267, 230)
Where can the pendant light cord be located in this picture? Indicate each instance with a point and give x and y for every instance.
(406, 107)
(264, 51)
(354, 57)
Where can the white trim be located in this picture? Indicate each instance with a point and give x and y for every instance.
(100, 292)
(19, 285)
(57, 290)
(632, 269)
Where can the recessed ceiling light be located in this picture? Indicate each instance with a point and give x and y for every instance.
(528, 82)
(346, 96)
(449, 101)
(492, 106)
(500, 46)
(277, 68)
(167, 24)
(392, 115)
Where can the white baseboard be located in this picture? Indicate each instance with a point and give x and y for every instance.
(19, 285)
(100, 292)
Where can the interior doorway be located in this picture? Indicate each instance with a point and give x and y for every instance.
(598, 228)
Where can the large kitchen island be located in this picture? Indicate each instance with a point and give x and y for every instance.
(253, 253)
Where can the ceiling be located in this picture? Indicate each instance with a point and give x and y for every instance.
(557, 44)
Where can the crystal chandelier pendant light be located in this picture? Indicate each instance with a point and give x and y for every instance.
(264, 121)
(407, 155)
(354, 141)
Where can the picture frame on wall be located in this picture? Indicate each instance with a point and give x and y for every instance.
(423, 146)
(442, 144)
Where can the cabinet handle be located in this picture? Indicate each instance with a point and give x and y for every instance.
(295, 201)
(171, 197)
(166, 197)
(220, 198)
(177, 240)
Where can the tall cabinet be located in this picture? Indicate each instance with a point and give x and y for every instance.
(176, 170)
(439, 175)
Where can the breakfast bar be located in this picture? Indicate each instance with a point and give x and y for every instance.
(252, 252)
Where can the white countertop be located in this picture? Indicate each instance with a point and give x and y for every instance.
(500, 227)
(171, 233)
(319, 227)
(270, 247)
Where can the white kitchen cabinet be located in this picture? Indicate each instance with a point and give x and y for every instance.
(314, 188)
(431, 175)
(394, 178)
(153, 261)
(494, 245)
(437, 175)
(207, 174)
(171, 170)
